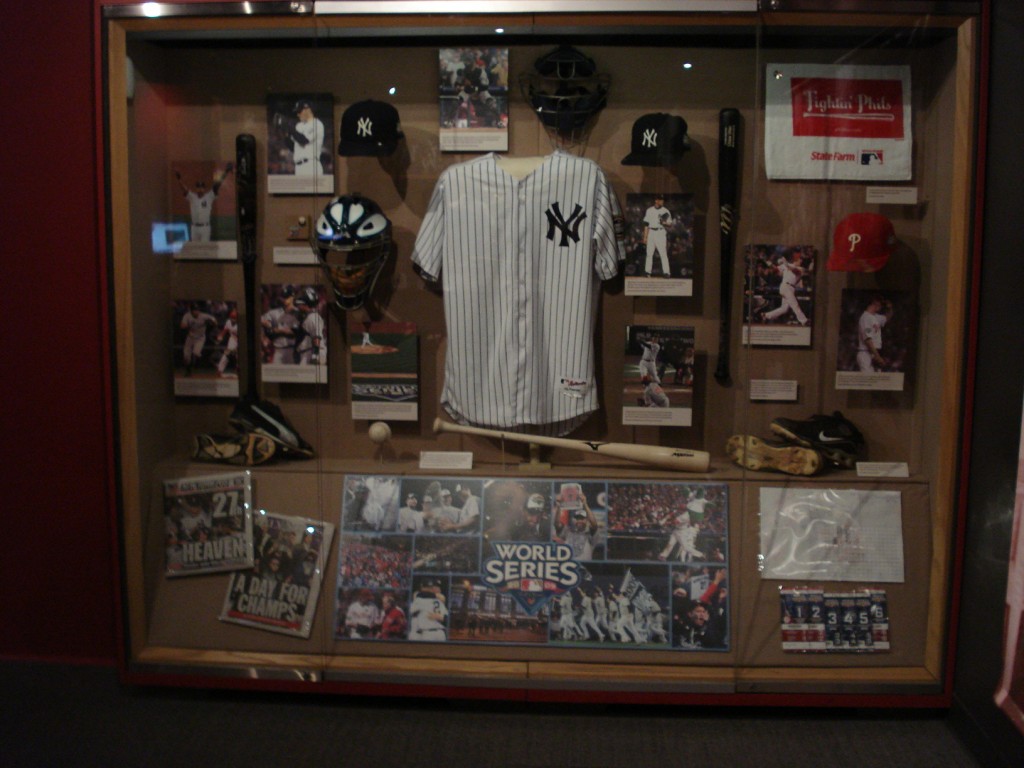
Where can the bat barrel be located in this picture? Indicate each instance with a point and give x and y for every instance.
(663, 457)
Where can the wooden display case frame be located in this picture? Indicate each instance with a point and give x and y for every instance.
(933, 415)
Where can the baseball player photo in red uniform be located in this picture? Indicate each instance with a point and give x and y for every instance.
(520, 259)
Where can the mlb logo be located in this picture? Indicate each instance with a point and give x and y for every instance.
(872, 157)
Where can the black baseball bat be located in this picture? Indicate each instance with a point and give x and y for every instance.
(252, 413)
(245, 183)
(728, 184)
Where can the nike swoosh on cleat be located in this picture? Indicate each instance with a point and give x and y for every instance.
(826, 439)
(283, 432)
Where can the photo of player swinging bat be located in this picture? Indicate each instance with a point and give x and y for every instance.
(663, 457)
(728, 183)
(251, 414)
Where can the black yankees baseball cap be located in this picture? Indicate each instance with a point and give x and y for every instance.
(658, 139)
(370, 128)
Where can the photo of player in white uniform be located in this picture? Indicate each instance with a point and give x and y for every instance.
(656, 221)
(370, 503)
(658, 375)
(300, 159)
(202, 212)
(659, 244)
(428, 612)
(228, 336)
(202, 332)
(311, 348)
(200, 198)
(293, 333)
(869, 334)
(877, 337)
(778, 298)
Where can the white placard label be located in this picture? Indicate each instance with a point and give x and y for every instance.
(883, 469)
(294, 254)
(773, 389)
(446, 459)
(891, 195)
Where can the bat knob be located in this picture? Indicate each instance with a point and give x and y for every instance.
(438, 425)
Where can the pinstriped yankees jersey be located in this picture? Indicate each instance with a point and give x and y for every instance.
(520, 262)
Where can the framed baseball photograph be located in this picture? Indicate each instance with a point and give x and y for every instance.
(385, 371)
(778, 296)
(205, 338)
(658, 377)
(293, 338)
(877, 339)
(473, 95)
(300, 150)
(202, 222)
(659, 244)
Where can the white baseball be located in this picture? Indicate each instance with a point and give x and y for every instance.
(379, 432)
(302, 221)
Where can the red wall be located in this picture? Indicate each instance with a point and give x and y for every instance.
(58, 572)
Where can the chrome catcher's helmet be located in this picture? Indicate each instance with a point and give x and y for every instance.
(352, 240)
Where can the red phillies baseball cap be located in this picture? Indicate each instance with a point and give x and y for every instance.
(862, 242)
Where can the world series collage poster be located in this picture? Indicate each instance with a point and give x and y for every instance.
(562, 563)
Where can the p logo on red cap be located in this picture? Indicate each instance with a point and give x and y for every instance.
(862, 242)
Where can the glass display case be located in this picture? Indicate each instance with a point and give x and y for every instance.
(562, 350)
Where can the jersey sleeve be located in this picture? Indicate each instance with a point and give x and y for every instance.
(428, 250)
(609, 245)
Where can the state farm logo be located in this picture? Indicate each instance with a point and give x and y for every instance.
(847, 108)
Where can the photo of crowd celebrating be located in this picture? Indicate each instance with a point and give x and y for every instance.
(375, 561)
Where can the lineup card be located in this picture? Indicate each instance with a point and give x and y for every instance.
(815, 621)
(831, 534)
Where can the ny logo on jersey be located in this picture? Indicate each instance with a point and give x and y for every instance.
(650, 138)
(364, 127)
(570, 228)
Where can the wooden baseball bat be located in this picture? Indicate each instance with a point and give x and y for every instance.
(663, 457)
(728, 183)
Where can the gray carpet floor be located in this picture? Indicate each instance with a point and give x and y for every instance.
(60, 715)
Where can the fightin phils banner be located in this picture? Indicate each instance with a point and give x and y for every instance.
(838, 122)
(530, 561)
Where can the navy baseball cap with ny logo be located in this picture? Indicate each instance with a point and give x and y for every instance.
(658, 139)
(370, 128)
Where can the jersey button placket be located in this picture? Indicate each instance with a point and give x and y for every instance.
(522, 304)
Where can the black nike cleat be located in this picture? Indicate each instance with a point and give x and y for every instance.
(834, 437)
(265, 418)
